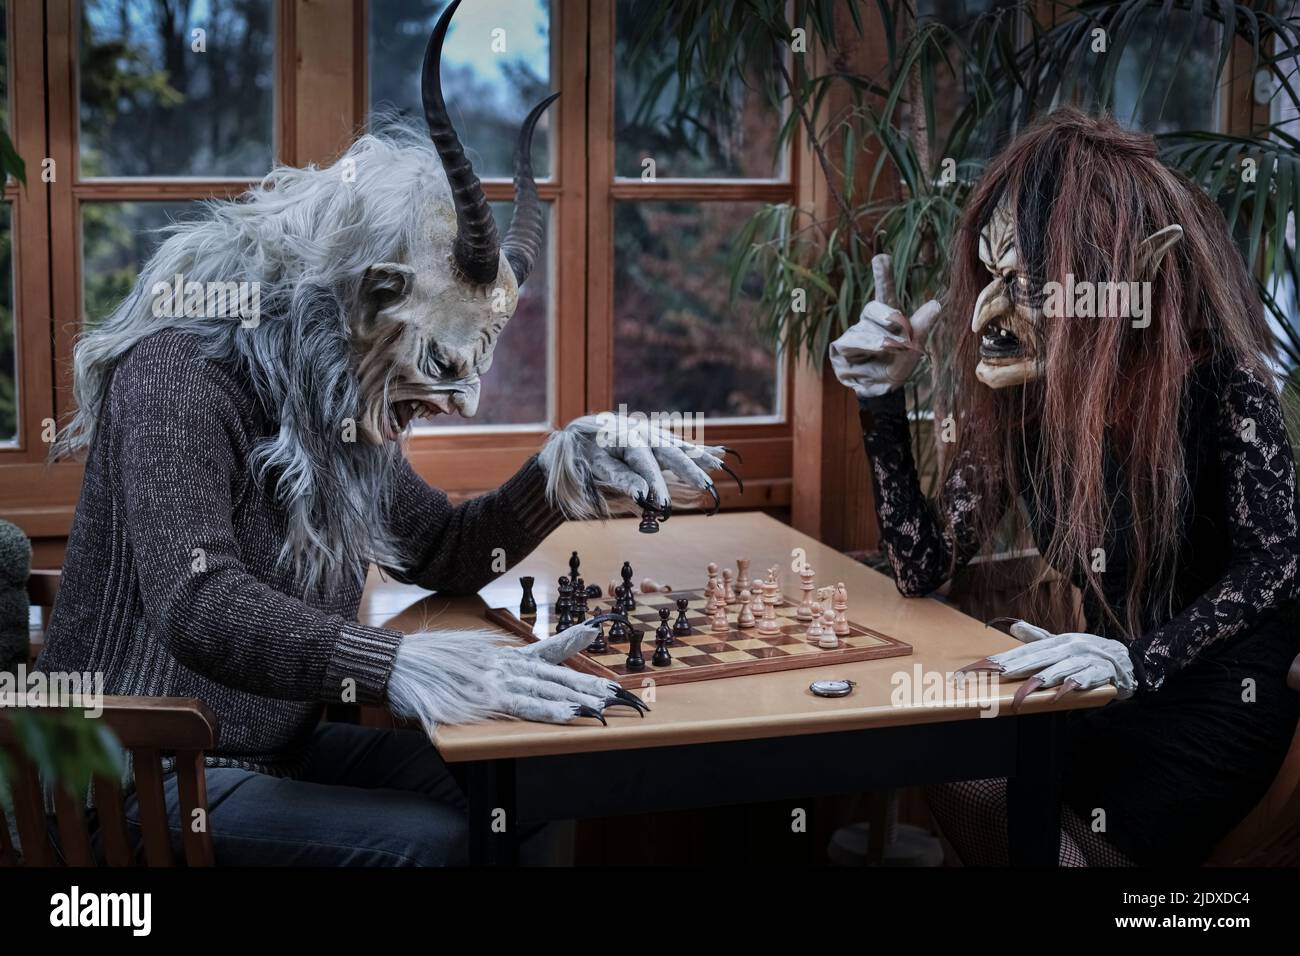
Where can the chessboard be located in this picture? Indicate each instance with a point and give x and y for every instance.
(705, 654)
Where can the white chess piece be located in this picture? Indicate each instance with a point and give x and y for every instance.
(841, 605)
(828, 640)
(742, 575)
(746, 617)
(769, 624)
(806, 587)
(710, 607)
(720, 624)
(728, 588)
(814, 632)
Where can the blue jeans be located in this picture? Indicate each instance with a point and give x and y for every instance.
(369, 797)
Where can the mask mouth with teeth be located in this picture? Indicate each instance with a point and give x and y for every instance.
(1008, 313)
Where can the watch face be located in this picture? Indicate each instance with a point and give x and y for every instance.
(831, 688)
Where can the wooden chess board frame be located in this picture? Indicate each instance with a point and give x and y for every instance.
(540, 626)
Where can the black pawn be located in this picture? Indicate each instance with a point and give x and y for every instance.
(635, 662)
(574, 563)
(598, 646)
(629, 602)
(527, 603)
(618, 631)
(563, 612)
(683, 627)
(649, 519)
(663, 637)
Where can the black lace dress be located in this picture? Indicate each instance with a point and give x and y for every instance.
(1182, 761)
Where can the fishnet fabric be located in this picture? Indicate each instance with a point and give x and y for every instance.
(973, 817)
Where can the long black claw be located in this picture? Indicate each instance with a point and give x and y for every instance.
(625, 695)
(717, 502)
(600, 619)
(732, 451)
(584, 711)
(615, 702)
(723, 466)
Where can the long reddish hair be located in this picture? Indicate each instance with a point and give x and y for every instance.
(1085, 193)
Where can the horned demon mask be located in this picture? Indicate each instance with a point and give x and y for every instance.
(425, 327)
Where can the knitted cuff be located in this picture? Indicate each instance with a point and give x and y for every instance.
(526, 493)
(359, 667)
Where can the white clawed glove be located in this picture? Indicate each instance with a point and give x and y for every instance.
(1074, 661)
(880, 353)
(457, 677)
(599, 463)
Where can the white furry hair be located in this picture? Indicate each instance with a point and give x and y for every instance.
(442, 678)
(307, 237)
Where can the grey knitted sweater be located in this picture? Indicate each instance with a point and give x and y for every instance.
(168, 473)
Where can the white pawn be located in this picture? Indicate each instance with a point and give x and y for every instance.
(756, 589)
(728, 589)
(746, 617)
(814, 631)
(828, 639)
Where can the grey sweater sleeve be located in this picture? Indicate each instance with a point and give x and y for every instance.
(457, 550)
(179, 435)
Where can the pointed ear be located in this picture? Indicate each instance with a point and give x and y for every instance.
(1153, 249)
(385, 284)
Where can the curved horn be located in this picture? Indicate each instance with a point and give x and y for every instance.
(524, 237)
(476, 252)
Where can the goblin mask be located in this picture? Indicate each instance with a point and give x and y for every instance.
(1009, 317)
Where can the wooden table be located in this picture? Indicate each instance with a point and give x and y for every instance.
(747, 739)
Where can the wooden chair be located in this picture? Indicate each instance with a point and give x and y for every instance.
(149, 728)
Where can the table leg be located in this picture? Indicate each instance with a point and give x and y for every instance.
(493, 820)
(1034, 794)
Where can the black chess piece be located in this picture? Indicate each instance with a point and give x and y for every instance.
(649, 519)
(578, 601)
(629, 602)
(574, 563)
(663, 637)
(599, 646)
(527, 603)
(618, 631)
(564, 595)
(594, 593)
(683, 627)
(635, 662)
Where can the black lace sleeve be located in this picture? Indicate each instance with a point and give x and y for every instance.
(925, 542)
(1259, 481)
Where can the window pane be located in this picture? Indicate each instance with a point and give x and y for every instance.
(117, 238)
(1179, 95)
(705, 133)
(496, 66)
(153, 104)
(679, 344)
(8, 336)
(516, 386)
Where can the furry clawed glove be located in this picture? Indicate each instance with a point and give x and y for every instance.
(458, 677)
(601, 463)
(15, 566)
